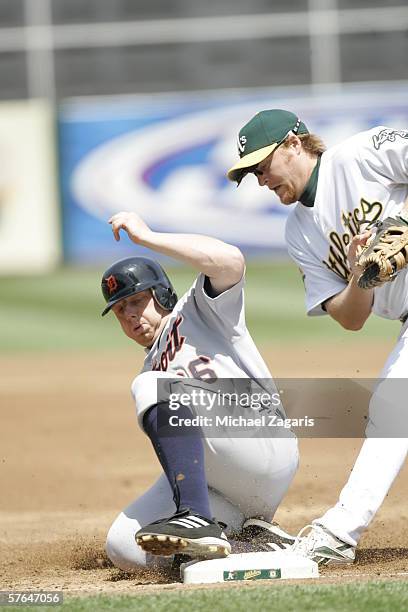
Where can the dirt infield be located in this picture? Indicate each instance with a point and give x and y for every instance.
(72, 457)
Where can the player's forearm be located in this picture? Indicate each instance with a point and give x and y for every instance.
(212, 257)
(223, 263)
(352, 306)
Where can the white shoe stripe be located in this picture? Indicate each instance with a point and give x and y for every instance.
(198, 520)
(187, 522)
(178, 522)
(190, 520)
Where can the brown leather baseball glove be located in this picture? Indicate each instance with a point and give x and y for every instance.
(385, 255)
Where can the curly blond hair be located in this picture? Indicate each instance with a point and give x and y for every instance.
(312, 144)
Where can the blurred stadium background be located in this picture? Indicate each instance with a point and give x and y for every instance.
(109, 105)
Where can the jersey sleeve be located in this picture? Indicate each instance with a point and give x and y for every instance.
(320, 283)
(226, 311)
(385, 155)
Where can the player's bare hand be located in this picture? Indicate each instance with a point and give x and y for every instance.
(131, 223)
(355, 249)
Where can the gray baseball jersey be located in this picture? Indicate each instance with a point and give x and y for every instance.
(247, 475)
(205, 338)
(362, 180)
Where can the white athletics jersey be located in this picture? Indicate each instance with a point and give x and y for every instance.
(362, 180)
(204, 338)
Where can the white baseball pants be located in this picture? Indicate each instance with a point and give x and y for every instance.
(381, 457)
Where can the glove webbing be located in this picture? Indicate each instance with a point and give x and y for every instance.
(385, 257)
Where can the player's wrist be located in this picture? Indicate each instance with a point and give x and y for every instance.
(358, 297)
(355, 275)
(355, 272)
(146, 238)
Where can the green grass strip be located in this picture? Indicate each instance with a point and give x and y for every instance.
(354, 597)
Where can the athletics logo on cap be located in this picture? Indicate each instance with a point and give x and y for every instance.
(241, 144)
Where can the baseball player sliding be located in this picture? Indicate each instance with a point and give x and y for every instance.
(341, 194)
(201, 337)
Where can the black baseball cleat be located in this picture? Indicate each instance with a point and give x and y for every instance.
(258, 535)
(185, 533)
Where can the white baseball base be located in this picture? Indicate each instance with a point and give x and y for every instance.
(249, 566)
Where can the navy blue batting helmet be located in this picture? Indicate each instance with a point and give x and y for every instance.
(133, 275)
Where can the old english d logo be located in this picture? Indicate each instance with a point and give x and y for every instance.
(112, 284)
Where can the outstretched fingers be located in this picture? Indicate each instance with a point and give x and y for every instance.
(117, 224)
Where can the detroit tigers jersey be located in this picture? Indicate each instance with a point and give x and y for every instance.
(362, 180)
(204, 338)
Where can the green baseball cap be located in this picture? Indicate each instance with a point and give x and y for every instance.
(262, 135)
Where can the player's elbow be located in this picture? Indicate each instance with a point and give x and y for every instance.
(351, 319)
(235, 266)
(225, 268)
(237, 262)
(230, 264)
(353, 325)
(350, 323)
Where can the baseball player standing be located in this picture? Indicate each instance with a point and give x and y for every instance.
(341, 193)
(203, 337)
